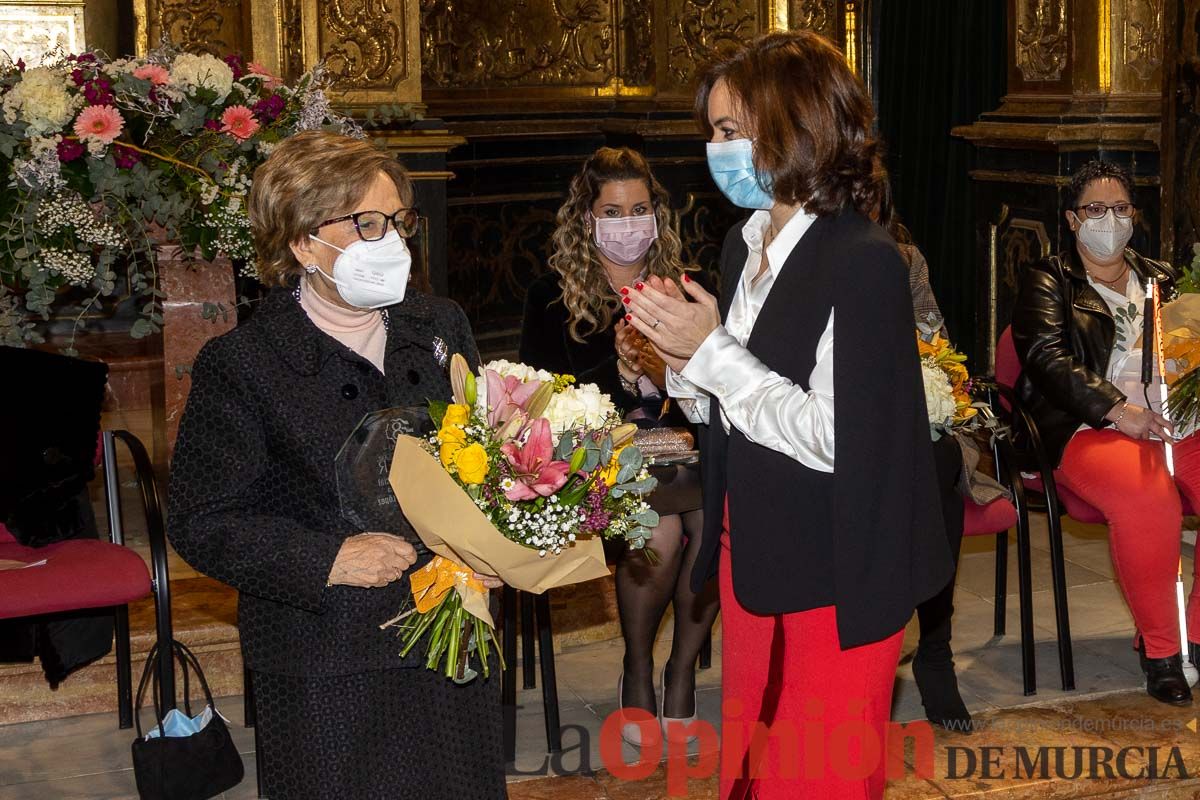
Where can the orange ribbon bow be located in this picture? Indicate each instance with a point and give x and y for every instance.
(431, 582)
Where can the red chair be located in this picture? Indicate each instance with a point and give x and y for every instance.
(89, 573)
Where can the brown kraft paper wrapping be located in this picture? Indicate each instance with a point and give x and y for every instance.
(451, 525)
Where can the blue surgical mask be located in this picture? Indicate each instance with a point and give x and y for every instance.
(732, 167)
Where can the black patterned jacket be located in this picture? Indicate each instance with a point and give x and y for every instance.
(253, 499)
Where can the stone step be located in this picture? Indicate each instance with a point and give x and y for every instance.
(205, 618)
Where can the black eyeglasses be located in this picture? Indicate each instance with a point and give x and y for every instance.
(1098, 210)
(373, 225)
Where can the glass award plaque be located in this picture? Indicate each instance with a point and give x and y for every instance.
(362, 466)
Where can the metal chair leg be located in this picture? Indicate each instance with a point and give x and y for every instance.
(1001, 622)
(528, 639)
(1058, 576)
(508, 680)
(124, 668)
(549, 681)
(1025, 588)
(249, 714)
(706, 651)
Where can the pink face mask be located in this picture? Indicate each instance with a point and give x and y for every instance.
(625, 240)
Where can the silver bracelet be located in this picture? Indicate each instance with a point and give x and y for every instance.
(1121, 416)
(630, 387)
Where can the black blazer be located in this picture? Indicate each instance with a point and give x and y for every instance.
(253, 498)
(1064, 332)
(870, 538)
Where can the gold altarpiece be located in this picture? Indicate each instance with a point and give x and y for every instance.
(1085, 80)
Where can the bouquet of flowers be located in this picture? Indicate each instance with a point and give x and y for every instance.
(947, 383)
(1181, 349)
(103, 160)
(531, 471)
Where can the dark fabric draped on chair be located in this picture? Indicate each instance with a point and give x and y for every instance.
(940, 63)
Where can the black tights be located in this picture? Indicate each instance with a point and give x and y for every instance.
(643, 591)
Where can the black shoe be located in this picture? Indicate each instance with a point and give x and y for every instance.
(939, 694)
(1194, 654)
(1164, 678)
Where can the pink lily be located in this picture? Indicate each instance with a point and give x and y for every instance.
(506, 396)
(535, 472)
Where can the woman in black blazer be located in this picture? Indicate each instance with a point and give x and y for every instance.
(617, 227)
(820, 565)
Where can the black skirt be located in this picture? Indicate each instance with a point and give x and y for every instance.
(395, 734)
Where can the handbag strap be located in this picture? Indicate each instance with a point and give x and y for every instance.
(141, 691)
(188, 663)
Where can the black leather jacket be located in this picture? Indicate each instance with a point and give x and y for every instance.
(1064, 332)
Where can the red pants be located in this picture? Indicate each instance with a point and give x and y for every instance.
(828, 734)
(1127, 481)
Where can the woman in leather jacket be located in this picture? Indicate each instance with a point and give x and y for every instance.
(1077, 329)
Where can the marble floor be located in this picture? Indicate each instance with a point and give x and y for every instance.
(87, 758)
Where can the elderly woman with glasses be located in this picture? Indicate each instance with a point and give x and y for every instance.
(254, 499)
(1077, 328)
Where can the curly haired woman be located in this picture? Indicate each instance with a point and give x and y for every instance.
(617, 227)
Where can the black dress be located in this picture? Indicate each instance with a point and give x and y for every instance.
(253, 503)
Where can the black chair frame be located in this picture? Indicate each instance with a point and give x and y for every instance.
(159, 579)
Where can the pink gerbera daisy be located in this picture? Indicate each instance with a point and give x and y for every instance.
(239, 122)
(155, 73)
(256, 69)
(101, 123)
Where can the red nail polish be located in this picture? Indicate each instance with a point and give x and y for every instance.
(629, 317)
(626, 301)
(686, 279)
(639, 286)
(624, 290)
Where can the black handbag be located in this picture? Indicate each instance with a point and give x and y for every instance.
(195, 767)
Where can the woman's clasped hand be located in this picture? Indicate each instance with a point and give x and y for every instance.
(371, 560)
(674, 324)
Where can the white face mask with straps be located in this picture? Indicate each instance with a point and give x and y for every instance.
(1104, 237)
(370, 274)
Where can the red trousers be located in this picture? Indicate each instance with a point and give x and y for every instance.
(1127, 481)
(827, 737)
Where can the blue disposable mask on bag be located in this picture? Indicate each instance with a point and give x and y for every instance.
(732, 167)
(179, 725)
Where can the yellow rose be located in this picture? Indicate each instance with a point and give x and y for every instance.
(456, 414)
(449, 433)
(472, 463)
(448, 451)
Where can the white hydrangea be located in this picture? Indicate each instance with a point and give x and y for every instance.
(579, 407)
(190, 71)
(41, 100)
(518, 370)
(939, 395)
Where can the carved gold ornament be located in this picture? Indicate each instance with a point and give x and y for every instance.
(1041, 39)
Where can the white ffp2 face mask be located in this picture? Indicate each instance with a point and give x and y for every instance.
(1105, 237)
(370, 274)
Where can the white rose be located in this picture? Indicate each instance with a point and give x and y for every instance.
(41, 100)
(939, 395)
(204, 71)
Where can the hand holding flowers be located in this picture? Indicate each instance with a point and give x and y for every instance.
(548, 465)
